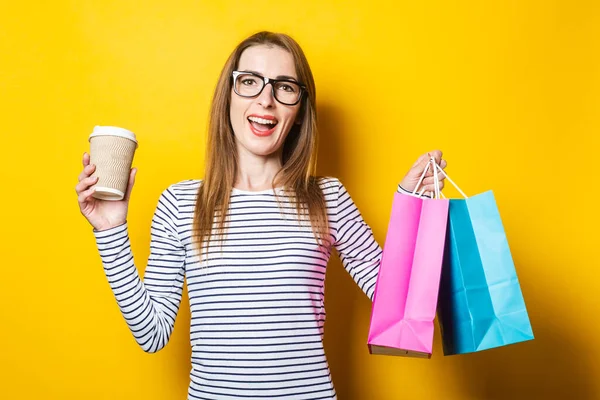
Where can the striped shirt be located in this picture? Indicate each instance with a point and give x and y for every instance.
(257, 303)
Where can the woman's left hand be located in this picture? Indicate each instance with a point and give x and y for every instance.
(411, 179)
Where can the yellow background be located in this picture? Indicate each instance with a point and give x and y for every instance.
(509, 91)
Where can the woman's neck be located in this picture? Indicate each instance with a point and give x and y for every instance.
(256, 173)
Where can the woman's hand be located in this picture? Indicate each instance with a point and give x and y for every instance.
(411, 179)
(101, 214)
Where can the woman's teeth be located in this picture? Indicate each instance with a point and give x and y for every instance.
(263, 121)
(261, 124)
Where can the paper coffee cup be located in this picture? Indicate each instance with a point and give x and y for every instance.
(111, 150)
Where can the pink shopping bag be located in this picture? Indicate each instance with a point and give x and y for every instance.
(406, 293)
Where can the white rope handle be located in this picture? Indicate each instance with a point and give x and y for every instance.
(421, 180)
(436, 184)
(438, 168)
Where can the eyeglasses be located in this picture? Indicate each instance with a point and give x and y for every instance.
(285, 91)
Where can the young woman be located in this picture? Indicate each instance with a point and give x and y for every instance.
(252, 239)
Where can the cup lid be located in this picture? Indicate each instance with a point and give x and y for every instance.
(113, 131)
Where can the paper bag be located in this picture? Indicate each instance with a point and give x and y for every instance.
(480, 303)
(406, 293)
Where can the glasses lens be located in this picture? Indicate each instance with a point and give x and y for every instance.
(287, 92)
(248, 85)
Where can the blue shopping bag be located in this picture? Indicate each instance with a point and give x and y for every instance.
(480, 304)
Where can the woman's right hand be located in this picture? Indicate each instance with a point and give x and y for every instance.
(101, 214)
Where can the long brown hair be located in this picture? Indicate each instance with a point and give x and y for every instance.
(298, 155)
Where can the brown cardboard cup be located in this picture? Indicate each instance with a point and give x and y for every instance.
(111, 150)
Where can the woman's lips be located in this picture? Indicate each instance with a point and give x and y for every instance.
(261, 132)
(259, 125)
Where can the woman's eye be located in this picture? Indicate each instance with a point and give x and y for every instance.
(248, 82)
(286, 88)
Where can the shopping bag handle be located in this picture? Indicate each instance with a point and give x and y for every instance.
(436, 183)
(438, 168)
(421, 180)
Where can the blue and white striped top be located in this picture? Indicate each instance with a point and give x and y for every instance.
(257, 303)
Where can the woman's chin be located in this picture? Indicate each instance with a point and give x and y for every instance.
(264, 152)
(260, 149)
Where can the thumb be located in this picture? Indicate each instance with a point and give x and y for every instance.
(130, 184)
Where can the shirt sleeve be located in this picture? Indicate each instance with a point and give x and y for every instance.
(408, 192)
(359, 252)
(149, 306)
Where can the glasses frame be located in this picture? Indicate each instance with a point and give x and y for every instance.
(266, 81)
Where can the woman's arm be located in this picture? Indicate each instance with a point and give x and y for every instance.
(149, 306)
(359, 252)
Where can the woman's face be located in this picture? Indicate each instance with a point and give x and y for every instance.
(261, 124)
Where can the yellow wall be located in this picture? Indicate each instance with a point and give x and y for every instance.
(509, 91)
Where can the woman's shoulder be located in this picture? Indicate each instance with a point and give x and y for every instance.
(328, 184)
(184, 188)
(325, 181)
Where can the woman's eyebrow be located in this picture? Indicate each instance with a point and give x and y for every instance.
(290, 78)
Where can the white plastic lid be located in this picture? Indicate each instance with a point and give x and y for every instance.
(113, 131)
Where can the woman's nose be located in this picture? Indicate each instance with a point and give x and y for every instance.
(265, 98)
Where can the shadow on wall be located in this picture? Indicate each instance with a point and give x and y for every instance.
(343, 299)
(554, 365)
